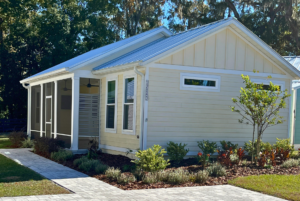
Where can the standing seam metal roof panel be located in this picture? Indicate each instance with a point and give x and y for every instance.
(294, 60)
(159, 46)
(96, 52)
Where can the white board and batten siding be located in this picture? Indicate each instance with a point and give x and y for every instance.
(189, 116)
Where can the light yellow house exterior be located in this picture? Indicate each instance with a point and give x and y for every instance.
(164, 106)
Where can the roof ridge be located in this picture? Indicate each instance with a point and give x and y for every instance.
(201, 26)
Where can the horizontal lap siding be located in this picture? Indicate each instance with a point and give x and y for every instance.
(190, 116)
(119, 139)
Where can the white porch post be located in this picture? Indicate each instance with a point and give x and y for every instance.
(41, 116)
(55, 109)
(29, 111)
(75, 113)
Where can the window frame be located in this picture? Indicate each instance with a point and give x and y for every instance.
(215, 78)
(108, 79)
(125, 131)
(267, 82)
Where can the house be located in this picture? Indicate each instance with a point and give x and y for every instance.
(157, 87)
(295, 138)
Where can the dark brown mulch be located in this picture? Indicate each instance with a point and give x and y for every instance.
(232, 173)
(119, 161)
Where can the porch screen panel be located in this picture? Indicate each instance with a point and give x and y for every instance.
(35, 107)
(64, 106)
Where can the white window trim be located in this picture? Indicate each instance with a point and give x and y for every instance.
(267, 82)
(110, 130)
(129, 132)
(215, 78)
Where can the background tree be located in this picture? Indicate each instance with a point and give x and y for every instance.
(259, 106)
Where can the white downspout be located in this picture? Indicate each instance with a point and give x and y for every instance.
(142, 106)
(28, 109)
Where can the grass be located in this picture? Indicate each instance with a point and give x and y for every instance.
(17, 180)
(283, 186)
(4, 141)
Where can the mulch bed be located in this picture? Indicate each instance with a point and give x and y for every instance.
(119, 161)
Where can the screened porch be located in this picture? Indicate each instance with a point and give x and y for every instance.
(66, 109)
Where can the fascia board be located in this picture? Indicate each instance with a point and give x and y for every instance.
(43, 76)
(115, 68)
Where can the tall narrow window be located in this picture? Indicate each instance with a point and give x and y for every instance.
(110, 104)
(128, 104)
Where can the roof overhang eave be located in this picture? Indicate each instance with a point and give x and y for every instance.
(45, 75)
(114, 69)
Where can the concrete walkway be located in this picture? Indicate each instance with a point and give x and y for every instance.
(88, 188)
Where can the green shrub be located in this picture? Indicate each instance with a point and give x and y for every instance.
(93, 147)
(125, 179)
(89, 166)
(162, 175)
(263, 146)
(128, 168)
(216, 170)
(290, 163)
(207, 147)
(16, 138)
(62, 155)
(150, 178)
(139, 174)
(45, 146)
(176, 151)
(234, 158)
(79, 161)
(27, 143)
(201, 176)
(283, 144)
(178, 176)
(226, 145)
(152, 159)
(112, 173)
(244, 162)
(101, 168)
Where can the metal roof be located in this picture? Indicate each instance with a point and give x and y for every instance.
(294, 60)
(159, 46)
(96, 52)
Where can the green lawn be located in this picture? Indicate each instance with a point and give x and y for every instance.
(283, 186)
(17, 180)
(4, 141)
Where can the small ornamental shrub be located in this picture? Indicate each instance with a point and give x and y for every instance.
(263, 146)
(234, 158)
(112, 173)
(89, 166)
(283, 144)
(62, 155)
(208, 148)
(244, 162)
(176, 151)
(201, 176)
(16, 138)
(290, 163)
(226, 145)
(101, 168)
(45, 146)
(162, 175)
(93, 147)
(125, 179)
(139, 174)
(150, 178)
(79, 161)
(128, 168)
(152, 159)
(27, 143)
(178, 176)
(216, 170)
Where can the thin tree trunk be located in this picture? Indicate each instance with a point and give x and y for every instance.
(258, 141)
(253, 143)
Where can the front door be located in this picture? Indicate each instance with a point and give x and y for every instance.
(48, 116)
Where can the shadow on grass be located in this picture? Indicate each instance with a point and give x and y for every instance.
(10, 171)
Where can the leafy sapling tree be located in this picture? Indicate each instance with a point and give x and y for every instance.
(259, 106)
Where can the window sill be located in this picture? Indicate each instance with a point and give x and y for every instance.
(128, 132)
(110, 130)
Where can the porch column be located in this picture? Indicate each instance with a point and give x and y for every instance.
(55, 109)
(75, 113)
(41, 117)
(29, 112)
